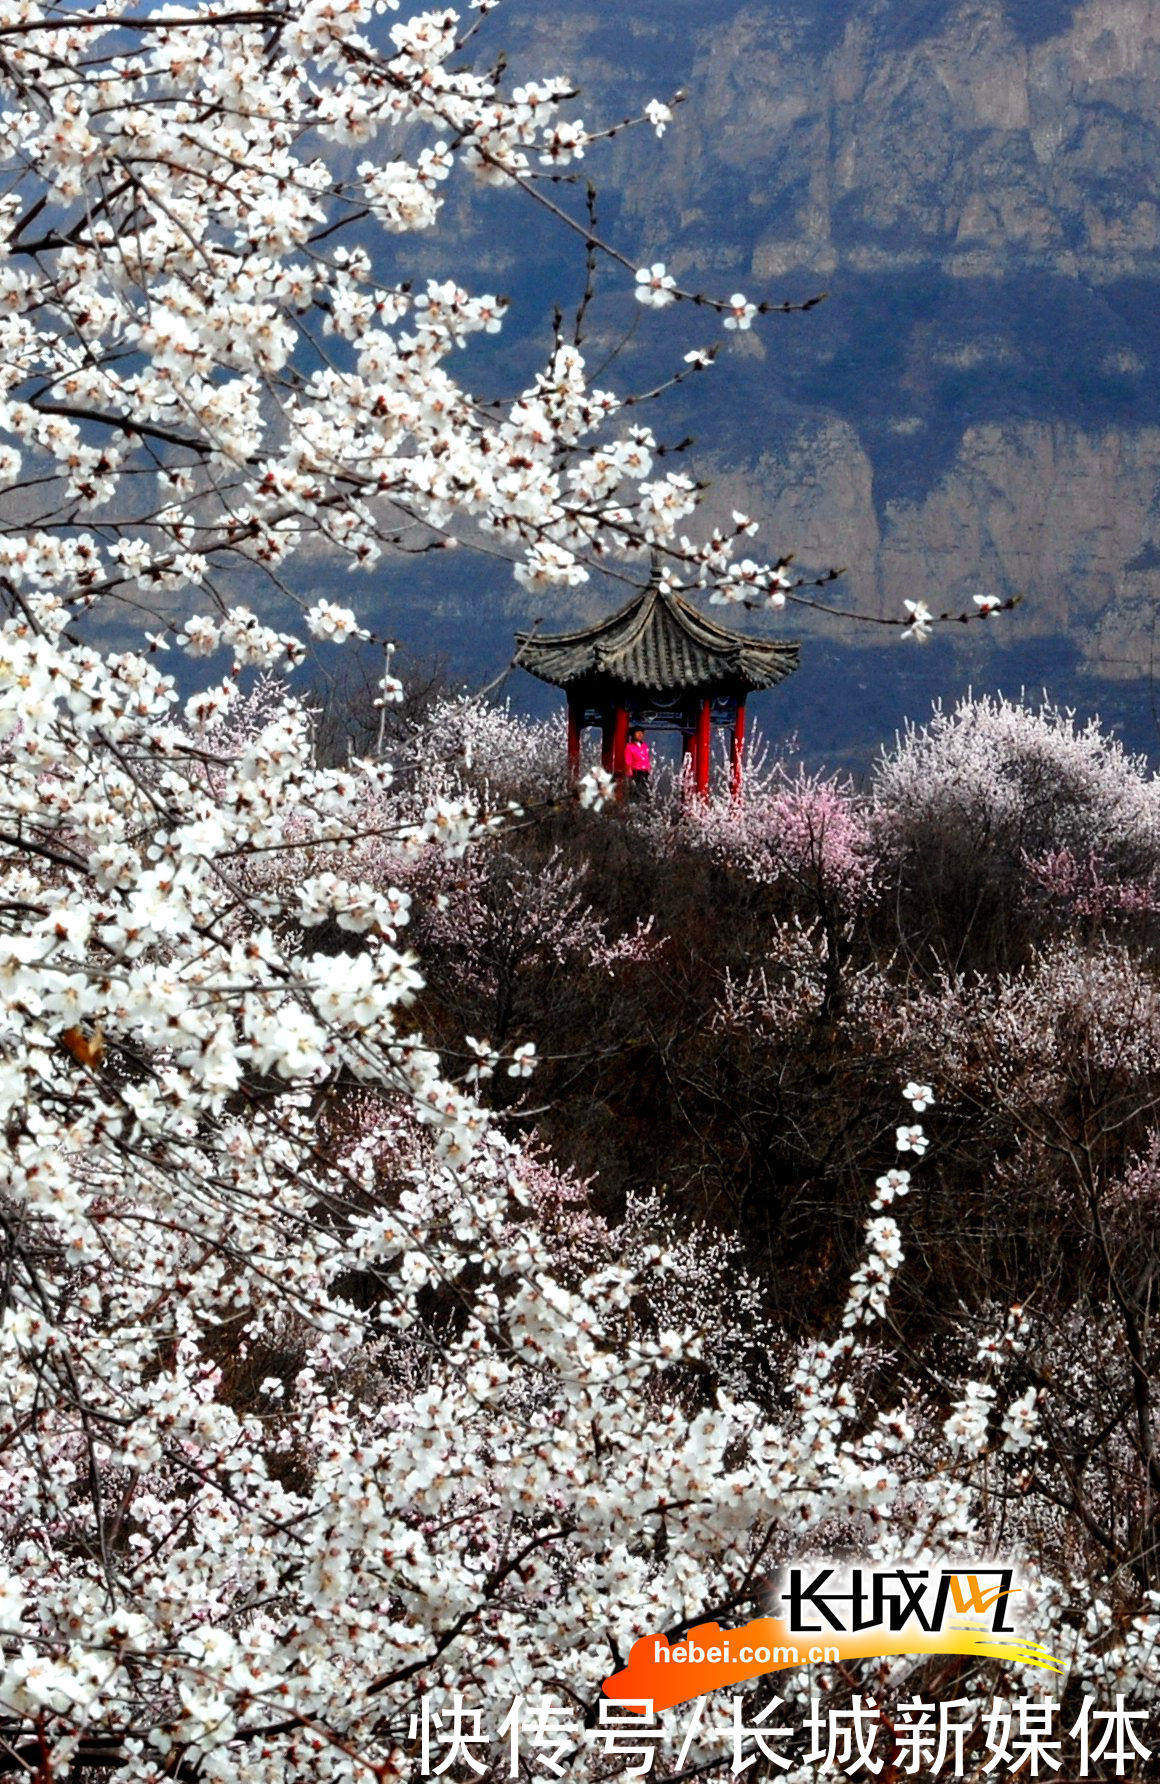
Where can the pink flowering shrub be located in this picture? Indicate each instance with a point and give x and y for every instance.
(1083, 889)
(1139, 1185)
(804, 830)
(803, 837)
(687, 1270)
(509, 932)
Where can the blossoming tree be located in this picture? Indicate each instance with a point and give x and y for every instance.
(305, 1416)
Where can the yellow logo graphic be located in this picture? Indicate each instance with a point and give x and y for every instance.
(975, 1599)
(859, 1615)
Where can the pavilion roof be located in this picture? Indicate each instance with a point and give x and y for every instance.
(660, 642)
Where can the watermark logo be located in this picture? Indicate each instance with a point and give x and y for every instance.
(898, 1598)
(835, 1614)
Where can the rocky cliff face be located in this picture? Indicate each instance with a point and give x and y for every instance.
(977, 407)
(899, 130)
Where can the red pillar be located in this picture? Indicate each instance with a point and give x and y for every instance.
(704, 748)
(573, 744)
(619, 740)
(735, 747)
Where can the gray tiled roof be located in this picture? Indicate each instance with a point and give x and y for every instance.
(657, 641)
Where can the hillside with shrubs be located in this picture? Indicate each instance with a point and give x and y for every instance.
(731, 1184)
(725, 998)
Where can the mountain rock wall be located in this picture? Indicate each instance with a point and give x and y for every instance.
(977, 406)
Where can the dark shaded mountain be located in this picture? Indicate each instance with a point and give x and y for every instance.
(977, 407)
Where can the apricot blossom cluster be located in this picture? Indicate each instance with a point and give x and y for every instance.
(209, 359)
(302, 1418)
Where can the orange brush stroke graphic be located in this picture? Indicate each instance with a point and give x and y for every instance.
(653, 1675)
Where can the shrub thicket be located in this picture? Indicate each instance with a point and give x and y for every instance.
(727, 997)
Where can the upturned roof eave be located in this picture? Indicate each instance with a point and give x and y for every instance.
(754, 678)
(586, 634)
(692, 653)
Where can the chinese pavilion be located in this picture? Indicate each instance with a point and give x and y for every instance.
(660, 664)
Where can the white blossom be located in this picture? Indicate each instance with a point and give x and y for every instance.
(655, 286)
(595, 789)
(920, 620)
(523, 1061)
(1020, 1421)
(911, 1139)
(325, 620)
(966, 1429)
(893, 1183)
(741, 312)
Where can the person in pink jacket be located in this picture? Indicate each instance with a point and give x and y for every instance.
(637, 763)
